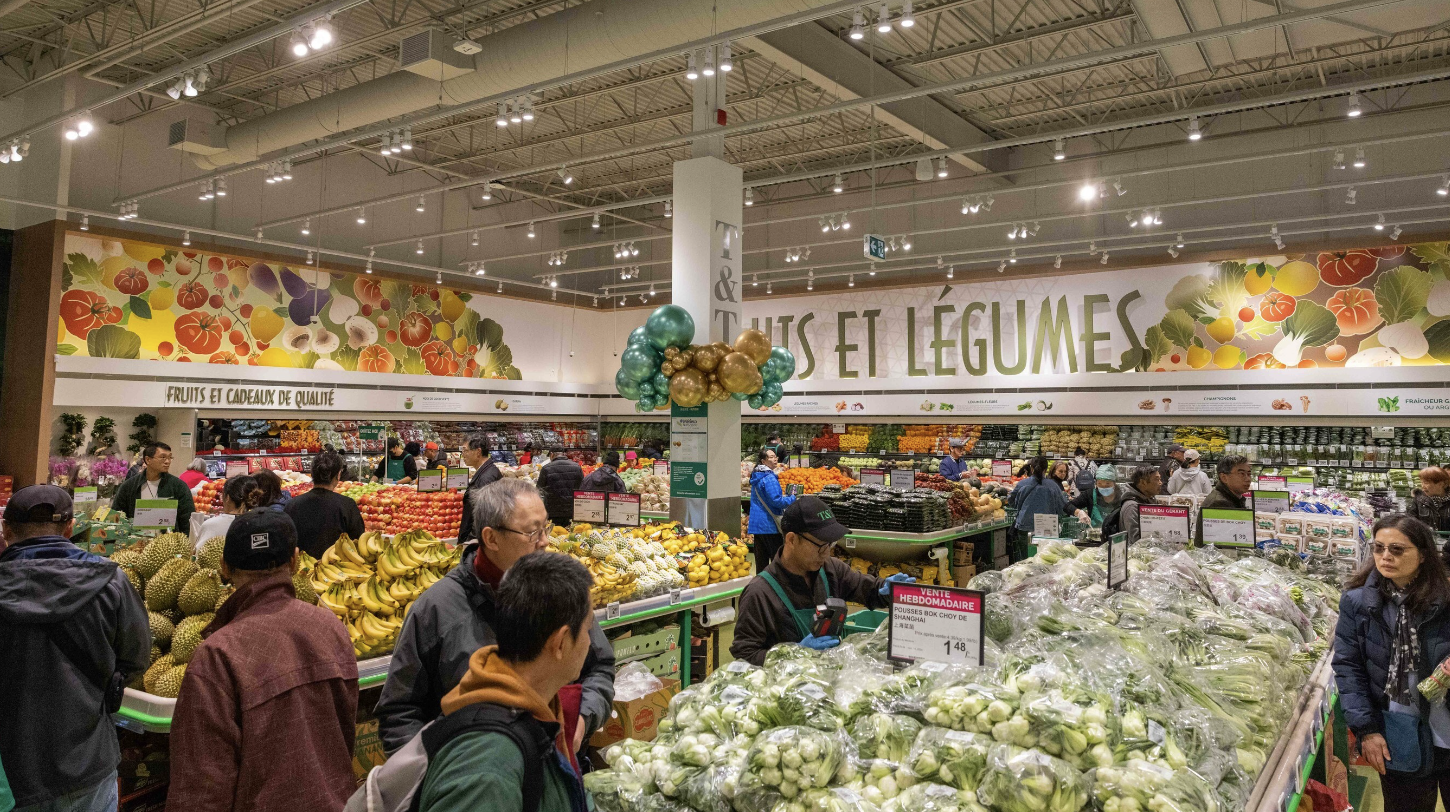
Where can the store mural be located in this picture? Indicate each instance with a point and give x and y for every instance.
(1386, 306)
(130, 299)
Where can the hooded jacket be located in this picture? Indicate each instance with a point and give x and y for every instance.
(766, 499)
(1190, 479)
(604, 479)
(487, 474)
(558, 480)
(484, 771)
(57, 737)
(445, 626)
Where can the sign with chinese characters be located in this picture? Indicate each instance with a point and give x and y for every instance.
(935, 623)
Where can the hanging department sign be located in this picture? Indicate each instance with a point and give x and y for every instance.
(252, 397)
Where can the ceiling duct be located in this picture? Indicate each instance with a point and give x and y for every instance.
(432, 54)
(581, 38)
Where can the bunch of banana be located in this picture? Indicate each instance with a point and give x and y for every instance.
(377, 599)
(345, 551)
(371, 634)
(342, 599)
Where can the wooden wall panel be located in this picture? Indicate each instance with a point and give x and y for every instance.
(28, 387)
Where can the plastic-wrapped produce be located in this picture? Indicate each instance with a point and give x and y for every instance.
(1140, 786)
(1071, 724)
(987, 582)
(877, 780)
(801, 700)
(835, 799)
(714, 788)
(908, 690)
(615, 791)
(1019, 780)
(953, 757)
(933, 798)
(884, 735)
(792, 759)
(973, 707)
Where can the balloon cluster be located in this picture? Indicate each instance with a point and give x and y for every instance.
(660, 365)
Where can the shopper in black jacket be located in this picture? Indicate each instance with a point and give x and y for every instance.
(475, 455)
(1233, 482)
(605, 478)
(1431, 502)
(73, 630)
(557, 482)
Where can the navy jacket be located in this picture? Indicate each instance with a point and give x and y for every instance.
(1362, 643)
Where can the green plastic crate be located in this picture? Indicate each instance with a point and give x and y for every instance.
(864, 622)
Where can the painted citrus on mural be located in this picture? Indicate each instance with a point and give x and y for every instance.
(126, 299)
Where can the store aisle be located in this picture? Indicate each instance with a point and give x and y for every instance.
(1372, 800)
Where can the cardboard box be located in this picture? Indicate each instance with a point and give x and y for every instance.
(637, 646)
(663, 665)
(638, 719)
(1002, 562)
(963, 574)
(367, 749)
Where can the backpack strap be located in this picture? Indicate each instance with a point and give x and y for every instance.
(526, 732)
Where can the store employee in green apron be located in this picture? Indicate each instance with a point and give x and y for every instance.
(779, 605)
(396, 466)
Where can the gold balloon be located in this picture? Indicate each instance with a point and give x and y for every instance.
(671, 353)
(716, 391)
(721, 348)
(686, 357)
(688, 387)
(715, 377)
(755, 345)
(739, 374)
(667, 369)
(706, 360)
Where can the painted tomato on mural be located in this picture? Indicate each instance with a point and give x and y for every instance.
(192, 295)
(375, 358)
(414, 330)
(224, 357)
(131, 281)
(1355, 310)
(1276, 306)
(1264, 360)
(83, 311)
(1389, 252)
(199, 333)
(438, 359)
(368, 291)
(1344, 268)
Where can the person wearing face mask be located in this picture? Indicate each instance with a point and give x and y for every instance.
(1190, 478)
(1102, 500)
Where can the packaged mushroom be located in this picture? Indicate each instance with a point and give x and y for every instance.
(1315, 546)
(1266, 524)
(1343, 527)
(1291, 524)
(1318, 527)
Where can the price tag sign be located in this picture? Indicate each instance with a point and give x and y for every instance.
(662, 468)
(1300, 484)
(1118, 559)
(589, 507)
(902, 480)
(430, 481)
(674, 597)
(1228, 527)
(1169, 522)
(611, 612)
(371, 432)
(83, 499)
(838, 428)
(458, 478)
(1046, 525)
(795, 489)
(873, 476)
(155, 514)
(622, 509)
(236, 468)
(1266, 501)
(849, 543)
(1001, 468)
(935, 623)
(1274, 483)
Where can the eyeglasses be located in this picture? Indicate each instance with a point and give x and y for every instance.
(819, 545)
(534, 537)
(1394, 550)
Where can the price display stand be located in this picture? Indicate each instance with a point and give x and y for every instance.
(155, 514)
(873, 476)
(1002, 469)
(901, 480)
(1117, 560)
(589, 507)
(935, 623)
(622, 509)
(237, 468)
(430, 481)
(1168, 522)
(1274, 483)
(1228, 527)
(1046, 525)
(662, 468)
(457, 479)
(1300, 484)
(1270, 501)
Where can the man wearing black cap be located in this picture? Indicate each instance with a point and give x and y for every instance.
(73, 631)
(268, 707)
(605, 478)
(1171, 463)
(780, 604)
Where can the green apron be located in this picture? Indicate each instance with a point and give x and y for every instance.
(395, 468)
(803, 617)
(1097, 515)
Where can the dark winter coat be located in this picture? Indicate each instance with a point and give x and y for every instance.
(168, 487)
(1432, 510)
(557, 482)
(1221, 497)
(487, 474)
(603, 479)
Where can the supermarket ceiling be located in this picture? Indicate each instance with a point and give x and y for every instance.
(980, 117)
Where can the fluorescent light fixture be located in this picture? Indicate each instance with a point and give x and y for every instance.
(1059, 150)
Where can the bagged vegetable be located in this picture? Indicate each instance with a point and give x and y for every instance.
(714, 788)
(933, 798)
(792, 759)
(971, 706)
(616, 791)
(953, 757)
(884, 735)
(1071, 724)
(836, 799)
(877, 780)
(1139, 786)
(1019, 780)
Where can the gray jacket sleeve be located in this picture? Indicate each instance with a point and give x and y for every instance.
(596, 701)
(408, 702)
(1130, 522)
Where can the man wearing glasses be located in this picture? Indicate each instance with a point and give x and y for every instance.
(780, 604)
(454, 617)
(156, 482)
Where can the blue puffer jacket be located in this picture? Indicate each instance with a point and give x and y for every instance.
(765, 493)
(1362, 643)
(1031, 497)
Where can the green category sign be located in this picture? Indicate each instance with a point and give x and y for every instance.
(371, 432)
(687, 480)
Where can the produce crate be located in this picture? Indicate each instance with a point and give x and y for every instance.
(864, 622)
(664, 665)
(638, 646)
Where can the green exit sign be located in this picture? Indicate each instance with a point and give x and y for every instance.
(874, 247)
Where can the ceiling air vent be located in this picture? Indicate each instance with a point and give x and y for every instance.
(431, 53)
(196, 135)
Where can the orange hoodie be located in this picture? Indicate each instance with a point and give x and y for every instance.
(491, 679)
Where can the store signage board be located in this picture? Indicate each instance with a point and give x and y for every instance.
(1267, 501)
(622, 509)
(1228, 527)
(661, 468)
(252, 397)
(873, 246)
(430, 480)
(237, 468)
(935, 623)
(84, 498)
(1118, 558)
(589, 507)
(457, 479)
(689, 420)
(900, 480)
(688, 451)
(371, 432)
(1169, 522)
(1274, 483)
(873, 476)
(1046, 525)
(1300, 484)
(687, 480)
(1001, 469)
(155, 514)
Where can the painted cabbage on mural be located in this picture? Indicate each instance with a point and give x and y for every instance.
(127, 299)
(1366, 307)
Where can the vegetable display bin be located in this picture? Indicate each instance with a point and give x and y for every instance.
(864, 622)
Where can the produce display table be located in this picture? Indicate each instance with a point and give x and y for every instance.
(1281, 785)
(888, 545)
(678, 602)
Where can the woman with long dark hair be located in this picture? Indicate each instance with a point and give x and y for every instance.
(1394, 628)
(767, 503)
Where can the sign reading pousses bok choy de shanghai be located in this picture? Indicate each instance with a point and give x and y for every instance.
(1371, 307)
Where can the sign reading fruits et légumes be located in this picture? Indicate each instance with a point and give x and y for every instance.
(251, 397)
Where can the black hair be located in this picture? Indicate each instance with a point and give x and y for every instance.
(1038, 464)
(760, 455)
(1079, 452)
(242, 491)
(1226, 465)
(541, 593)
(556, 452)
(150, 450)
(773, 438)
(1141, 474)
(610, 458)
(412, 449)
(1430, 585)
(394, 442)
(478, 443)
(326, 467)
(270, 486)
(31, 530)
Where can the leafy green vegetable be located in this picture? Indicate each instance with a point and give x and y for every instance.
(1401, 293)
(885, 735)
(1438, 337)
(1311, 325)
(1177, 327)
(1227, 288)
(113, 341)
(1436, 255)
(1191, 294)
(83, 269)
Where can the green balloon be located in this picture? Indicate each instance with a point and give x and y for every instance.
(647, 403)
(784, 363)
(772, 392)
(661, 382)
(756, 401)
(626, 387)
(639, 362)
(639, 407)
(647, 388)
(637, 336)
(669, 326)
(740, 396)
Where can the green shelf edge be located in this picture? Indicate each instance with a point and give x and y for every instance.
(163, 724)
(1293, 804)
(370, 681)
(670, 609)
(975, 531)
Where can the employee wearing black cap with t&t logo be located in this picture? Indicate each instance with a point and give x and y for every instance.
(780, 605)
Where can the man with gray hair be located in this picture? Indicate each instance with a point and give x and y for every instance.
(454, 617)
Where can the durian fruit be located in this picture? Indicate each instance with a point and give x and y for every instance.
(169, 684)
(160, 550)
(222, 598)
(188, 637)
(200, 592)
(137, 582)
(161, 628)
(126, 558)
(163, 664)
(173, 614)
(155, 655)
(302, 585)
(209, 557)
(163, 588)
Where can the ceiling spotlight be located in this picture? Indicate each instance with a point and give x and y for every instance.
(883, 20)
(839, 185)
(439, 278)
(845, 222)
(321, 35)
(1444, 189)
(85, 222)
(1194, 133)
(1354, 110)
(850, 280)
(1059, 150)
(1274, 231)
(1380, 223)
(726, 64)
(221, 187)
(84, 126)
(502, 119)
(595, 222)
(362, 216)
(407, 138)
(1359, 157)
(553, 281)
(858, 25)
(531, 230)
(1339, 159)
(1036, 227)
(419, 249)
(368, 268)
(565, 175)
(1057, 261)
(651, 290)
(1395, 234)
(174, 91)
(1132, 220)
(810, 284)
(941, 167)
(1002, 266)
(749, 198)
(189, 79)
(1178, 241)
(692, 71)
(1012, 257)
(755, 280)
(385, 146)
(517, 116)
(968, 208)
(906, 242)
(1350, 195)
(951, 271)
(186, 238)
(825, 226)
(481, 270)
(768, 284)
(528, 114)
(907, 18)
(499, 289)
(633, 250)
(487, 193)
(421, 206)
(1012, 235)
(709, 69)
(70, 131)
(872, 272)
(1173, 252)
(474, 241)
(297, 45)
(309, 256)
(307, 226)
(1087, 192)
(670, 206)
(259, 234)
(1104, 260)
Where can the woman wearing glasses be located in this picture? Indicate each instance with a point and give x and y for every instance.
(1394, 628)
